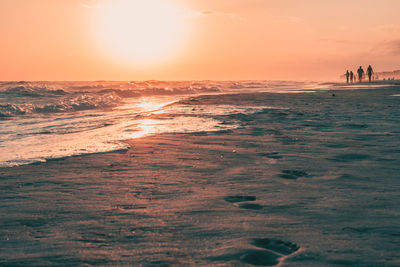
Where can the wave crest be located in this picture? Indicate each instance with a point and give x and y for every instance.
(73, 103)
(32, 91)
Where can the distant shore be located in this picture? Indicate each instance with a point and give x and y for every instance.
(372, 83)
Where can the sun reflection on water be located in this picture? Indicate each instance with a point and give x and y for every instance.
(145, 127)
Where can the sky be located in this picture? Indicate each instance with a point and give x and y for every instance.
(86, 40)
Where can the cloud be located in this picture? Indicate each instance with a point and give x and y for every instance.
(189, 13)
(293, 19)
(90, 6)
(344, 42)
(85, 5)
(391, 47)
(389, 28)
(208, 13)
(211, 13)
(286, 19)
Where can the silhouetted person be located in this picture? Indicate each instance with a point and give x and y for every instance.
(347, 76)
(369, 72)
(360, 72)
(351, 76)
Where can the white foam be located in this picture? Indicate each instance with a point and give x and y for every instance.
(37, 139)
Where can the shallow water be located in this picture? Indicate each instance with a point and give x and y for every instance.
(260, 178)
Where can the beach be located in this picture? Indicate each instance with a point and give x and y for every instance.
(289, 175)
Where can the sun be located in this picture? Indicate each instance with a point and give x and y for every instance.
(140, 32)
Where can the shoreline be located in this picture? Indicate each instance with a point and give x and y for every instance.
(343, 87)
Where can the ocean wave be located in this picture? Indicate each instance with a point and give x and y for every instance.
(9, 110)
(161, 91)
(31, 91)
(75, 102)
(123, 90)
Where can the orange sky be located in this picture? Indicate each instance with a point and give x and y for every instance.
(196, 39)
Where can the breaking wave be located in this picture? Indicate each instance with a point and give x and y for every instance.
(22, 98)
(76, 102)
(31, 91)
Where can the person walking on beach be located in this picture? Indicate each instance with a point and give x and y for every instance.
(351, 76)
(360, 72)
(369, 72)
(347, 76)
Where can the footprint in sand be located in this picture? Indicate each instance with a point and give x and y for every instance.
(259, 258)
(271, 155)
(275, 245)
(251, 206)
(350, 157)
(238, 198)
(292, 174)
(241, 198)
(273, 252)
(250, 256)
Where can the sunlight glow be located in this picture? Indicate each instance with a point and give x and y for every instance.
(151, 104)
(139, 32)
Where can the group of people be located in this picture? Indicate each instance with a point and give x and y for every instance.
(351, 77)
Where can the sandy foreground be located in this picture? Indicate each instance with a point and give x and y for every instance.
(169, 188)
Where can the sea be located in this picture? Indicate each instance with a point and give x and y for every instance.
(227, 173)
